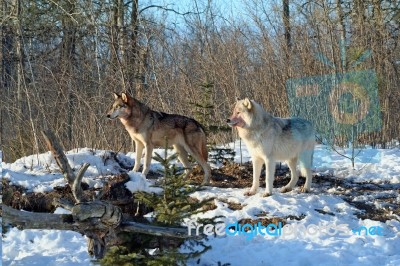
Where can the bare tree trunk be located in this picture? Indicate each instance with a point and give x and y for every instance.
(137, 56)
(342, 30)
(286, 23)
(18, 65)
(121, 29)
(67, 60)
(4, 65)
(359, 18)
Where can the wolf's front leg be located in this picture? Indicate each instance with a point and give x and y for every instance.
(257, 165)
(138, 157)
(147, 158)
(269, 177)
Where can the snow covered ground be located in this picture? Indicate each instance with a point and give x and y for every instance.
(322, 235)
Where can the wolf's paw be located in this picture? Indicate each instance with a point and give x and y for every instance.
(266, 194)
(145, 171)
(305, 190)
(249, 193)
(286, 189)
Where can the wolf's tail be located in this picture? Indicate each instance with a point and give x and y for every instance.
(204, 150)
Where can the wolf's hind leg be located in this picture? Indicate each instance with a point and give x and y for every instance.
(293, 176)
(192, 149)
(183, 157)
(306, 158)
(307, 186)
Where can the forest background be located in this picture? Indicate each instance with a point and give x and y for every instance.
(61, 61)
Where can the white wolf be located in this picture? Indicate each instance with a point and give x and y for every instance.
(270, 139)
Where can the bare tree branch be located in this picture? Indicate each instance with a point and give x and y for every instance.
(62, 162)
(76, 186)
(59, 156)
(169, 9)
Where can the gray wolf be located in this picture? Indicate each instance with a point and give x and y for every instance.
(150, 129)
(270, 139)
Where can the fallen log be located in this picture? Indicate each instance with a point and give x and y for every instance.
(38, 220)
(32, 220)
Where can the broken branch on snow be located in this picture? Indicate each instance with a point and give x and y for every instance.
(73, 180)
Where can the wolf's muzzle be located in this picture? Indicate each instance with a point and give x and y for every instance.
(109, 117)
(230, 123)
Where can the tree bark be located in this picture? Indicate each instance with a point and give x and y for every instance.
(68, 61)
(58, 154)
(50, 221)
(342, 31)
(286, 23)
(32, 220)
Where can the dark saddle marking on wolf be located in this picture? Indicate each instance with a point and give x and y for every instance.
(178, 121)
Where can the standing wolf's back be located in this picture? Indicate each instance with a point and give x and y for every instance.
(298, 129)
(179, 122)
(192, 130)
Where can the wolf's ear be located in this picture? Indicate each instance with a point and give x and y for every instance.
(124, 97)
(116, 96)
(247, 103)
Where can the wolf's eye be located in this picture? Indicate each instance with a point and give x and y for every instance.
(237, 113)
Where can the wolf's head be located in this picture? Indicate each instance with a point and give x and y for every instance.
(121, 106)
(242, 114)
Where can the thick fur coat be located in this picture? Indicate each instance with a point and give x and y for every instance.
(270, 139)
(151, 129)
